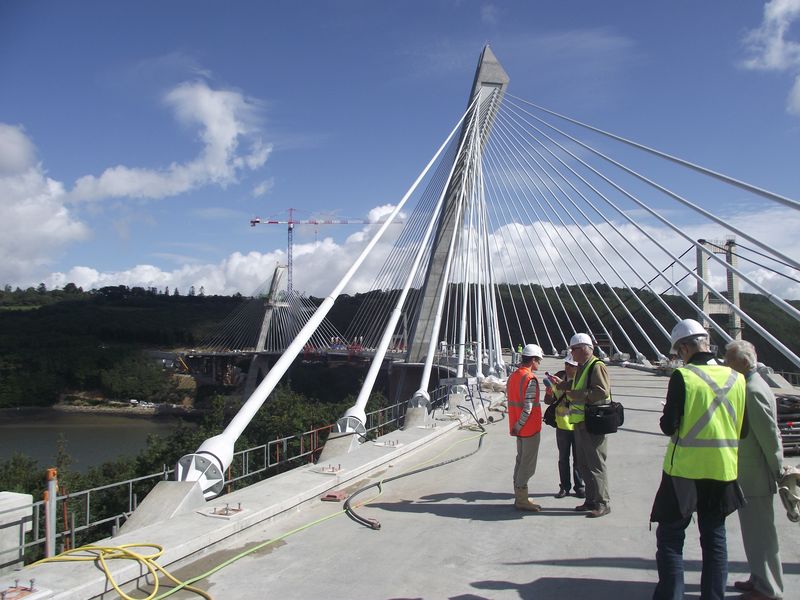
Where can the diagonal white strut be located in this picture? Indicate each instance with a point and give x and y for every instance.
(354, 420)
(218, 450)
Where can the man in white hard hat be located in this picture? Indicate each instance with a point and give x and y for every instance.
(703, 414)
(591, 385)
(525, 423)
(760, 468)
(565, 434)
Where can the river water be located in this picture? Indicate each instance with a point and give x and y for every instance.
(91, 439)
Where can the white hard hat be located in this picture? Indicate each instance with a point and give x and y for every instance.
(532, 350)
(569, 360)
(684, 331)
(580, 338)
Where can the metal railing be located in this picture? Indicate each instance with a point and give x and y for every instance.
(75, 510)
(77, 513)
(307, 445)
(790, 376)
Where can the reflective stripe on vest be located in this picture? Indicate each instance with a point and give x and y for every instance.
(707, 441)
(562, 412)
(577, 410)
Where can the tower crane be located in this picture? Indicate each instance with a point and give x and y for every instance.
(291, 222)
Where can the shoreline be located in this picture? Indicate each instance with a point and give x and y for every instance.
(145, 412)
(133, 411)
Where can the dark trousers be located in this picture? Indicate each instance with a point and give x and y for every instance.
(566, 446)
(669, 557)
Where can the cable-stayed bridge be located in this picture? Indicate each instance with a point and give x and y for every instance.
(526, 226)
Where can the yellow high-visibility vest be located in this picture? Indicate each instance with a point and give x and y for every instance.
(706, 445)
(562, 412)
(577, 410)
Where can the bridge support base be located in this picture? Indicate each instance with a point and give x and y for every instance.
(166, 500)
(416, 416)
(338, 444)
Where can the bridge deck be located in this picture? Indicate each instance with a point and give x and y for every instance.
(447, 532)
(451, 532)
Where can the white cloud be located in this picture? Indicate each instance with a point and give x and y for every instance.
(776, 225)
(319, 265)
(17, 152)
(263, 187)
(770, 49)
(35, 224)
(224, 119)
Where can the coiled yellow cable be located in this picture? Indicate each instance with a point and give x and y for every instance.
(103, 554)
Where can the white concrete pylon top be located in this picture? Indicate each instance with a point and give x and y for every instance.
(489, 72)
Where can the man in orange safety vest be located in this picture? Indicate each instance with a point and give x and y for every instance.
(525, 423)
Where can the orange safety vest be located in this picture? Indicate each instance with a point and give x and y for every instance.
(524, 408)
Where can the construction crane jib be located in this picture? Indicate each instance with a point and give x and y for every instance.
(291, 222)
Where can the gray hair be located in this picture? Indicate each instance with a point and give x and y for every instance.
(744, 351)
(698, 343)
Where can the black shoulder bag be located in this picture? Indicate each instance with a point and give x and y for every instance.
(603, 418)
(549, 416)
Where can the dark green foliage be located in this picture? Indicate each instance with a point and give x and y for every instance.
(22, 474)
(92, 341)
(138, 377)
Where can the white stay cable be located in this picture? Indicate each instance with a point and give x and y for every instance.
(524, 206)
(380, 350)
(513, 227)
(774, 299)
(510, 292)
(237, 425)
(513, 260)
(437, 321)
(745, 317)
(506, 252)
(576, 259)
(465, 282)
(622, 236)
(700, 169)
(625, 216)
(481, 271)
(598, 252)
(492, 320)
(605, 238)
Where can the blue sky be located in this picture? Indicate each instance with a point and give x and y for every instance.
(137, 139)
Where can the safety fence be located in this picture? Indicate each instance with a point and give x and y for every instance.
(788, 409)
(62, 520)
(792, 377)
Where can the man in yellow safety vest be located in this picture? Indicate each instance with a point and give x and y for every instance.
(703, 416)
(591, 385)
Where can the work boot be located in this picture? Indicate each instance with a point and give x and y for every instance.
(521, 501)
(601, 511)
